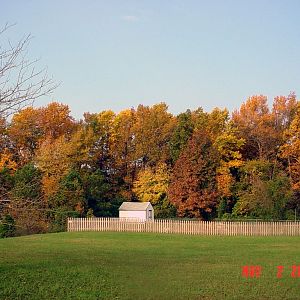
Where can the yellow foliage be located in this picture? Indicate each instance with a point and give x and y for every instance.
(121, 139)
(152, 129)
(229, 145)
(105, 120)
(152, 185)
(56, 158)
(224, 182)
(50, 185)
(291, 149)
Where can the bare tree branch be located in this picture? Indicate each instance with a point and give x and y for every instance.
(20, 82)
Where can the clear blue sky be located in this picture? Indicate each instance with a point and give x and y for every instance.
(117, 54)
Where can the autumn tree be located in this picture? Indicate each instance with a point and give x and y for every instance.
(255, 124)
(122, 149)
(214, 123)
(152, 186)
(7, 158)
(152, 132)
(25, 133)
(53, 160)
(56, 158)
(283, 112)
(61, 162)
(32, 126)
(229, 149)
(7, 161)
(55, 121)
(291, 150)
(129, 141)
(198, 163)
(102, 126)
(193, 184)
(219, 128)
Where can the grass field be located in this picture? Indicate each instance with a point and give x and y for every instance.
(146, 266)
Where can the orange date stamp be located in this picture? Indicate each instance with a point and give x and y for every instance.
(255, 271)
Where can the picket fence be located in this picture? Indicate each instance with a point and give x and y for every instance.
(192, 227)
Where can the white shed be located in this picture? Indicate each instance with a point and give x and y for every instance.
(136, 210)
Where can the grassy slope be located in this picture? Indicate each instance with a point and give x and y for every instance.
(145, 266)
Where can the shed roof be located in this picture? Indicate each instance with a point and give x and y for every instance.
(129, 206)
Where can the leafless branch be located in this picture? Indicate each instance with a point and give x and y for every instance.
(20, 82)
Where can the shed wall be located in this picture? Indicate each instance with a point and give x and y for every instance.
(152, 213)
(133, 214)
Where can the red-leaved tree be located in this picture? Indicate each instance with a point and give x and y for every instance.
(193, 188)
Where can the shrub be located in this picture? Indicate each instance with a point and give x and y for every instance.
(59, 219)
(7, 226)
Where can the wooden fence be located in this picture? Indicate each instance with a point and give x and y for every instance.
(193, 227)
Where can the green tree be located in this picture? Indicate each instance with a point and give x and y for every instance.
(70, 194)
(6, 183)
(101, 196)
(182, 133)
(265, 191)
(27, 183)
(7, 226)
(27, 205)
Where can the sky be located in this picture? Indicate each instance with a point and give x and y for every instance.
(118, 54)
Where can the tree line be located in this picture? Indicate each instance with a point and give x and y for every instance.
(196, 164)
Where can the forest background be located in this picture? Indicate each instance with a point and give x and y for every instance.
(196, 164)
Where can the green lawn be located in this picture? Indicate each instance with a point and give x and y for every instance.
(146, 266)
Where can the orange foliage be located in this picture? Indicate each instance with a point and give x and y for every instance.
(291, 150)
(6, 161)
(255, 124)
(193, 184)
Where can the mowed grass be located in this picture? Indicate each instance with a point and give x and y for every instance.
(95, 265)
